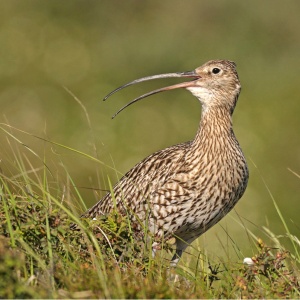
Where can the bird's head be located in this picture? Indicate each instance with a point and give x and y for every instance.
(218, 84)
(215, 84)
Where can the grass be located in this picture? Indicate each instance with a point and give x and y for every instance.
(40, 257)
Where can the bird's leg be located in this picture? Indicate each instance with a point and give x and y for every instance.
(176, 257)
(174, 261)
(155, 247)
(181, 245)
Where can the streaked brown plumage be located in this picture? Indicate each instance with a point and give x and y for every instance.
(185, 189)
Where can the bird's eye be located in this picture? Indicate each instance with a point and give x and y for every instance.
(216, 70)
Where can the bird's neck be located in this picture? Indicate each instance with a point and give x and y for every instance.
(216, 123)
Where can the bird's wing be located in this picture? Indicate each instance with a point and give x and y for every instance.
(135, 187)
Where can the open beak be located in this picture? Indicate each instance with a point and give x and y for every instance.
(190, 74)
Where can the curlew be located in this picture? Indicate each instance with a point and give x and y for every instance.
(185, 189)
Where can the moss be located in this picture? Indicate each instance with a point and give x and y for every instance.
(40, 257)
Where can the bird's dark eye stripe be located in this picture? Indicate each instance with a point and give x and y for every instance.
(216, 70)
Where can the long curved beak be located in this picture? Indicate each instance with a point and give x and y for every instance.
(189, 74)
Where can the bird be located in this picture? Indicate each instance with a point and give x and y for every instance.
(182, 191)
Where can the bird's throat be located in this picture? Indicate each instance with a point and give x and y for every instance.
(215, 127)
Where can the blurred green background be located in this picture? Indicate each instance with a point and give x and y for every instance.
(92, 47)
